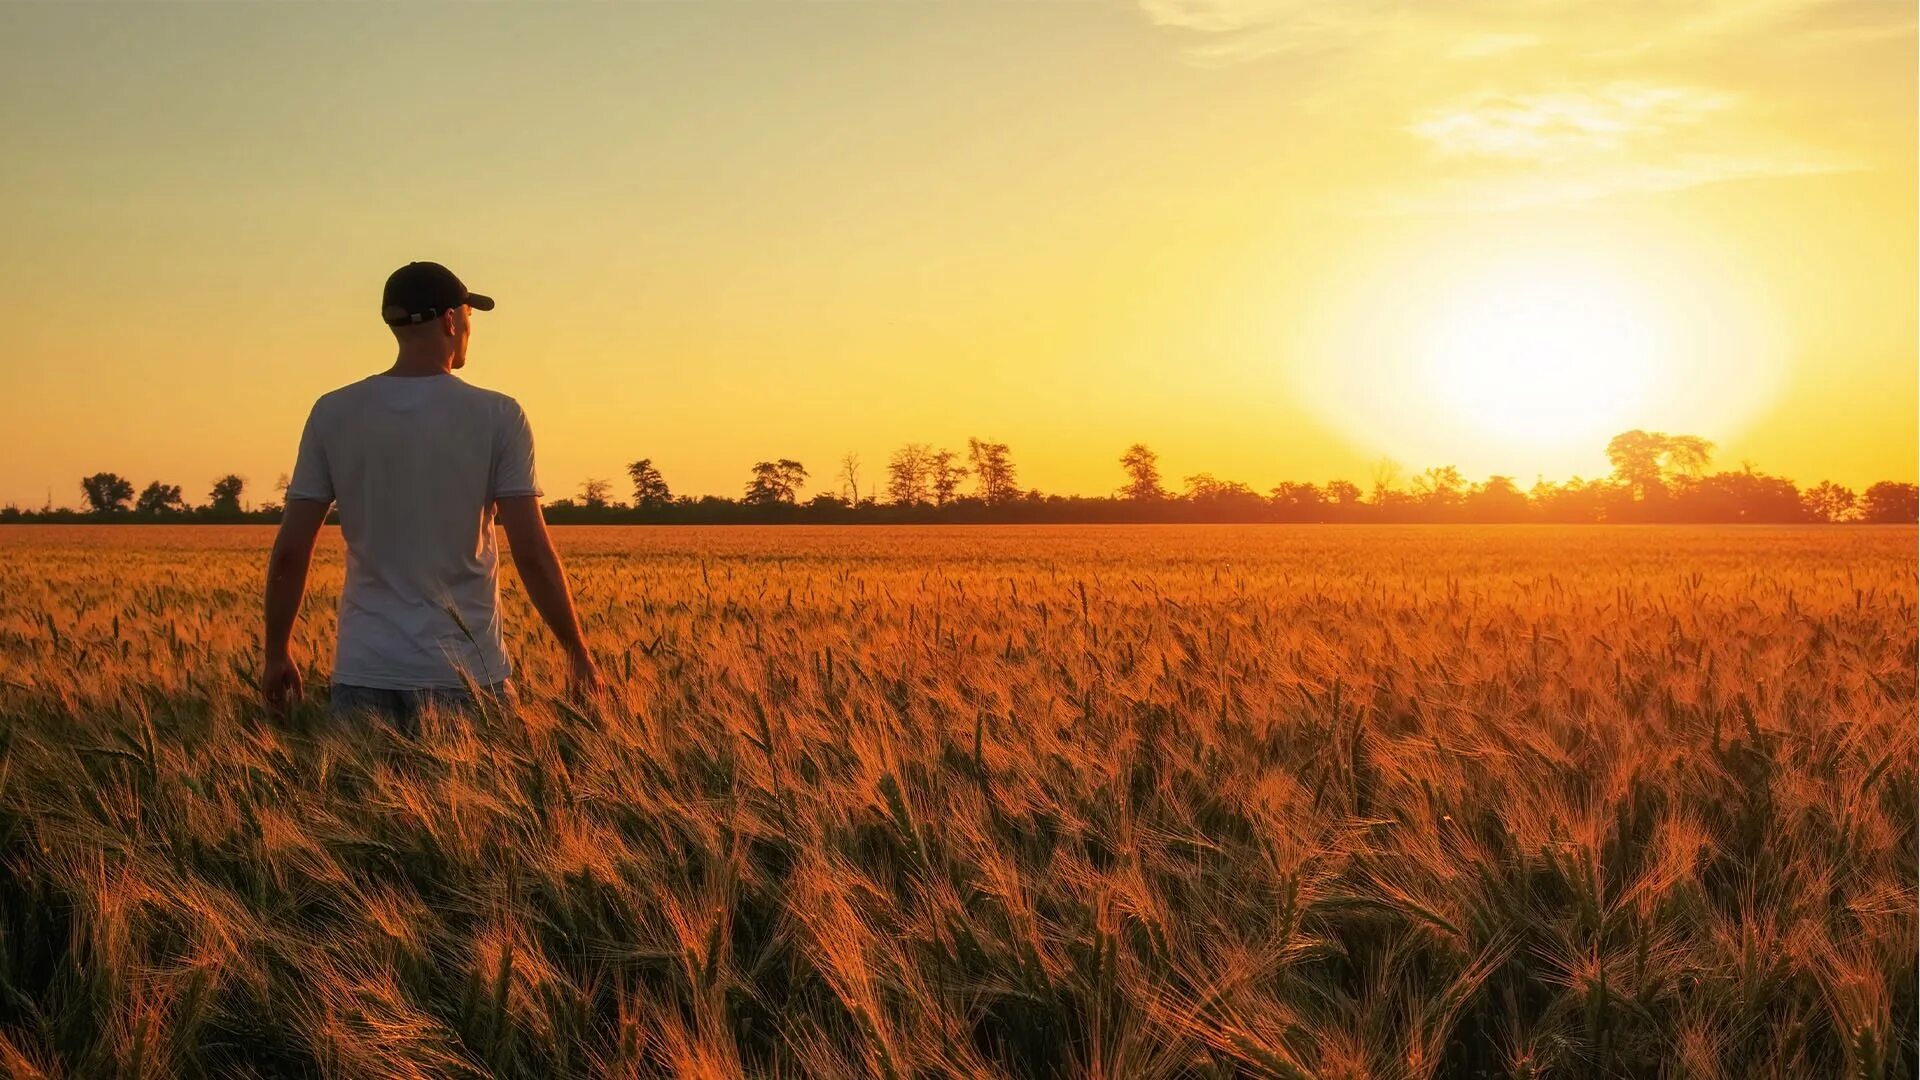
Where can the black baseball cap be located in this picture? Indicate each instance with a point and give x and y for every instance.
(420, 291)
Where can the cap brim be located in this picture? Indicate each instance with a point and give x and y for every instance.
(483, 303)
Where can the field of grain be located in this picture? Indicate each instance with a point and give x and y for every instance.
(1084, 802)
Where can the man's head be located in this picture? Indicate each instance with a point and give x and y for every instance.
(428, 308)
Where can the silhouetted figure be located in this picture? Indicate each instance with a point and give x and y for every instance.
(420, 463)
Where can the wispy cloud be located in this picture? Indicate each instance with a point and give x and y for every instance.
(1563, 124)
(1520, 103)
(1578, 144)
(1229, 31)
(1531, 189)
(1482, 46)
(1243, 30)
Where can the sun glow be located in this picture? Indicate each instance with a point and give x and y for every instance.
(1543, 361)
(1524, 353)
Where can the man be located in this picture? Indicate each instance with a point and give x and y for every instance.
(421, 463)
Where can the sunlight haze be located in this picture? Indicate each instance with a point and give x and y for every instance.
(1273, 240)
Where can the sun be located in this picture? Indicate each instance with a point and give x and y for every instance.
(1541, 360)
(1523, 352)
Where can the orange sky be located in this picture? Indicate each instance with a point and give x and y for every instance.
(1273, 239)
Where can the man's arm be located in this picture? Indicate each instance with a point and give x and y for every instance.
(286, 584)
(546, 581)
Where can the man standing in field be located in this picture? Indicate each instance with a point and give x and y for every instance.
(421, 464)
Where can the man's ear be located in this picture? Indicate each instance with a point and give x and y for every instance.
(448, 325)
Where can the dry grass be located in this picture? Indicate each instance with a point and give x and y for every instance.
(1117, 803)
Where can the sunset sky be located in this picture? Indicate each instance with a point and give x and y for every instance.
(1272, 239)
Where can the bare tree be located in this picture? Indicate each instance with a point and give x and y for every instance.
(850, 476)
(594, 493)
(1386, 474)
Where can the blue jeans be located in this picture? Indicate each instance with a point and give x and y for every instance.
(402, 708)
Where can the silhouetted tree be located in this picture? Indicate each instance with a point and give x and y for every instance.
(945, 474)
(159, 498)
(993, 471)
(1298, 502)
(1686, 456)
(1439, 487)
(1828, 501)
(106, 492)
(225, 496)
(650, 491)
(775, 482)
(1635, 457)
(909, 475)
(1143, 474)
(1655, 478)
(1499, 499)
(849, 477)
(1888, 503)
(1343, 493)
(1648, 462)
(1222, 499)
(1746, 496)
(1386, 474)
(1578, 501)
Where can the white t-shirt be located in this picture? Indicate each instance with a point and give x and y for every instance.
(415, 464)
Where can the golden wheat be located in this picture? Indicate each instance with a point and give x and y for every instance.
(1091, 802)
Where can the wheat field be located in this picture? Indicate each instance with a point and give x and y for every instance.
(1126, 802)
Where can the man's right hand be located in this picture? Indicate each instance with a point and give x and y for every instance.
(546, 585)
(583, 675)
(280, 683)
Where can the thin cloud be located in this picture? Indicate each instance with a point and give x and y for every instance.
(1234, 31)
(1564, 124)
(1577, 144)
(1511, 104)
(1544, 187)
(1482, 46)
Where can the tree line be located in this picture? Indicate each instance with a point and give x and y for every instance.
(109, 496)
(1655, 478)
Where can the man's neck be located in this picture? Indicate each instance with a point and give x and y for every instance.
(420, 364)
